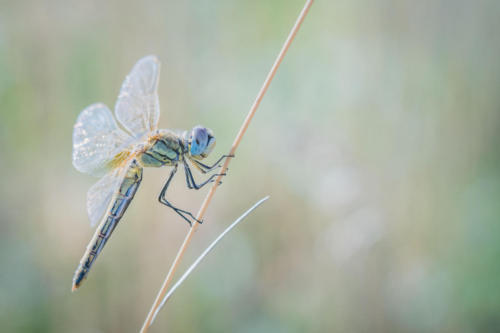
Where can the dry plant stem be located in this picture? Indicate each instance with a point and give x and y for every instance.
(235, 145)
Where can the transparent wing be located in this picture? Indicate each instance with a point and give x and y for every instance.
(96, 140)
(101, 193)
(137, 107)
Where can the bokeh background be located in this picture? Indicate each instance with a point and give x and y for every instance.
(378, 142)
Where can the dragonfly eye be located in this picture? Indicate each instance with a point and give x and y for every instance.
(210, 144)
(199, 140)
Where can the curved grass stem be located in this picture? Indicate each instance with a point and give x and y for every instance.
(203, 255)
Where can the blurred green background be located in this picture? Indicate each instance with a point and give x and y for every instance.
(378, 142)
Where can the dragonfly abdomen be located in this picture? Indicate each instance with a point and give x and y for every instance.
(117, 208)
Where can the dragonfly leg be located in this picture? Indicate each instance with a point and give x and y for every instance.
(206, 168)
(162, 199)
(190, 179)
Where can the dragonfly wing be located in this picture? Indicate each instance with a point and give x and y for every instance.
(100, 194)
(96, 140)
(138, 107)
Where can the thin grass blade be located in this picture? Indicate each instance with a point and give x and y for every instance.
(203, 255)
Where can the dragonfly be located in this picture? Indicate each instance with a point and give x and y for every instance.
(118, 154)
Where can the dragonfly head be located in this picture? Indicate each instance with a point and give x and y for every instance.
(200, 142)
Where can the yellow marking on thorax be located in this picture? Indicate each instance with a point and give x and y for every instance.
(120, 159)
(153, 138)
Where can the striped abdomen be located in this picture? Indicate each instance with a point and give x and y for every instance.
(116, 209)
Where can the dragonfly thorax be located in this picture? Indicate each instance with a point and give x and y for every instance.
(163, 148)
(167, 147)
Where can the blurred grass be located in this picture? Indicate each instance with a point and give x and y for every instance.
(378, 142)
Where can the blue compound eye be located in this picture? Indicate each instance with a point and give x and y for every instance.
(199, 140)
